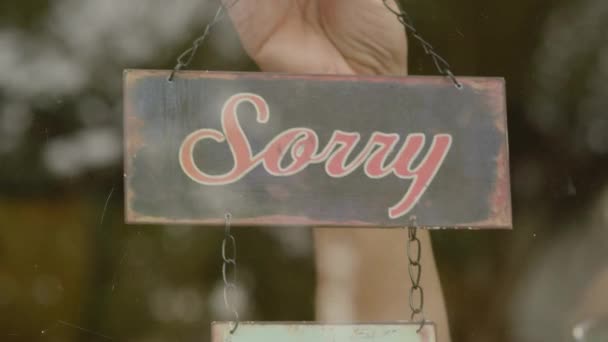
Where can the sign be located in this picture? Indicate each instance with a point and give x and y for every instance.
(316, 332)
(276, 149)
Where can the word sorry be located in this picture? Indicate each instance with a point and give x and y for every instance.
(303, 145)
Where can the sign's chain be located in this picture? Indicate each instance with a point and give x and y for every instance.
(186, 57)
(229, 276)
(416, 295)
(443, 67)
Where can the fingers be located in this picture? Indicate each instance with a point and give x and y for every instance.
(256, 20)
(321, 36)
(284, 36)
(367, 34)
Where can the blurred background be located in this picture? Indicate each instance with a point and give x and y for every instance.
(71, 270)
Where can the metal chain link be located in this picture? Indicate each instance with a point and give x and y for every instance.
(414, 254)
(443, 67)
(229, 278)
(186, 57)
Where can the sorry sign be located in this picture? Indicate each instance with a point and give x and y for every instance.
(315, 150)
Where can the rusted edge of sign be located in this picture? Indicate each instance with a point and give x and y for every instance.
(500, 201)
(132, 143)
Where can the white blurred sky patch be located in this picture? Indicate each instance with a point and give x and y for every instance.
(572, 56)
(128, 31)
(84, 44)
(573, 46)
(32, 66)
(85, 150)
(83, 37)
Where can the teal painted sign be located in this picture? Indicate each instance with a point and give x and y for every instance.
(324, 151)
(318, 332)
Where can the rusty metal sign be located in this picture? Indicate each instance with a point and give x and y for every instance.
(277, 149)
(317, 332)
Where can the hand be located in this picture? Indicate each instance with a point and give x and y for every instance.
(321, 36)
